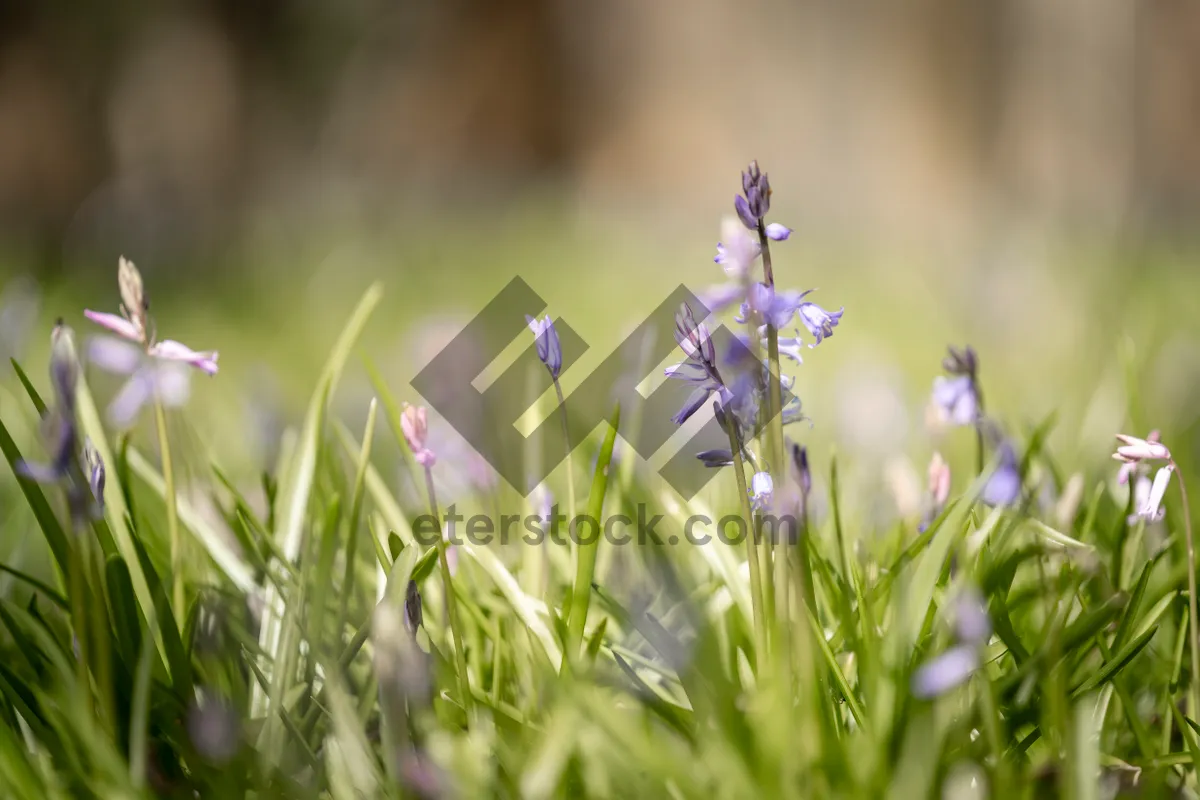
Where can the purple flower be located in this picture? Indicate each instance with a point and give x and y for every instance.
(737, 250)
(955, 399)
(952, 668)
(151, 378)
(777, 308)
(755, 202)
(1003, 486)
(155, 369)
(700, 368)
(716, 458)
(548, 348)
(790, 347)
(820, 323)
(59, 426)
(720, 296)
(777, 232)
(415, 427)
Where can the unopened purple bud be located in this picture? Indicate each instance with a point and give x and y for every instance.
(549, 349)
(742, 207)
(716, 458)
(777, 232)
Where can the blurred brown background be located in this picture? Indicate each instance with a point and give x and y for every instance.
(172, 127)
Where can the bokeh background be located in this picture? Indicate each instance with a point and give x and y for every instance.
(1020, 175)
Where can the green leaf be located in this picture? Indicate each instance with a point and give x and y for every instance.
(37, 503)
(297, 485)
(585, 553)
(36, 398)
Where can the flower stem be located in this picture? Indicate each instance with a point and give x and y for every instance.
(756, 588)
(775, 444)
(460, 655)
(1193, 623)
(562, 415)
(164, 446)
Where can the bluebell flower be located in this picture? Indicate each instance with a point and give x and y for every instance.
(151, 378)
(737, 250)
(790, 347)
(755, 201)
(820, 323)
(700, 368)
(716, 458)
(548, 348)
(778, 232)
(720, 296)
(955, 399)
(59, 426)
(1003, 486)
(762, 491)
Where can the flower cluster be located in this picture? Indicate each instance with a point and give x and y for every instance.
(1133, 453)
(156, 370)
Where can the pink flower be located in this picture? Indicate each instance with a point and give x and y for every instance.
(415, 426)
(1133, 450)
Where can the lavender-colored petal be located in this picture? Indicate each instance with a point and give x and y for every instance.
(41, 473)
(117, 324)
(955, 399)
(687, 371)
(694, 402)
(206, 361)
(744, 214)
(1152, 509)
(950, 669)
(777, 232)
(820, 323)
(718, 297)
(126, 406)
(1003, 486)
(114, 355)
(172, 384)
(549, 349)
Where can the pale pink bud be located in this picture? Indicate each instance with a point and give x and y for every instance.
(939, 479)
(415, 427)
(1132, 449)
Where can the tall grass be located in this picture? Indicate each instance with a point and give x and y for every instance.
(298, 666)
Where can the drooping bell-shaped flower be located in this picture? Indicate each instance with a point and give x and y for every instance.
(549, 350)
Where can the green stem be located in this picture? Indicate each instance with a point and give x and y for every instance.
(756, 588)
(164, 446)
(1193, 623)
(562, 415)
(585, 561)
(460, 656)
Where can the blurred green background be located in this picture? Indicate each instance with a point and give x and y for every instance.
(1017, 175)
